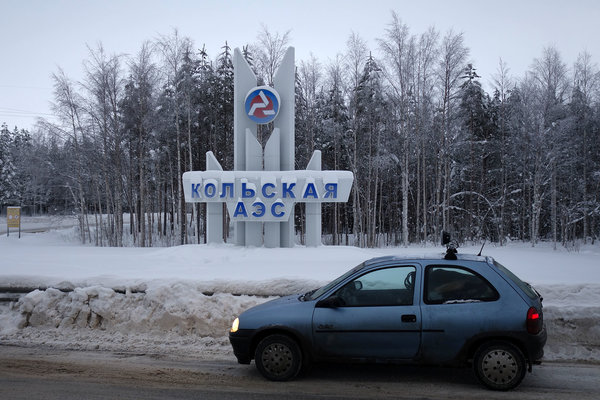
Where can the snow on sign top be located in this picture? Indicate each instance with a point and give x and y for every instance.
(262, 104)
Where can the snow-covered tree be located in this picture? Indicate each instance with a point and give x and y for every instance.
(8, 173)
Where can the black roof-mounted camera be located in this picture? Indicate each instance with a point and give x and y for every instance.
(451, 246)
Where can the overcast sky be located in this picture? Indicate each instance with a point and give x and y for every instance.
(39, 36)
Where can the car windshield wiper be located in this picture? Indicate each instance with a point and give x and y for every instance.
(306, 296)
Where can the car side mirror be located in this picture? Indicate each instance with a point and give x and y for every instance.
(330, 302)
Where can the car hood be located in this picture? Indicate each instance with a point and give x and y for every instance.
(289, 311)
(285, 301)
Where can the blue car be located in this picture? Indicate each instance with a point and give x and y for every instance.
(444, 310)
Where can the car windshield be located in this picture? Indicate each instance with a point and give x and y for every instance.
(315, 294)
(524, 286)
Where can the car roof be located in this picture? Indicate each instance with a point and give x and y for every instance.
(427, 257)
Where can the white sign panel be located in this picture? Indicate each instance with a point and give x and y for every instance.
(266, 196)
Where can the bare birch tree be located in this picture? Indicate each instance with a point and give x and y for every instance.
(104, 85)
(453, 57)
(173, 49)
(68, 107)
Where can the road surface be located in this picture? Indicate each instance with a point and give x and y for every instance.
(32, 373)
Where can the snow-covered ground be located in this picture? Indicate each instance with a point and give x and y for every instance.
(40, 222)
(182, 299)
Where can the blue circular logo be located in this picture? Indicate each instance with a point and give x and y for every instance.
(262, 104)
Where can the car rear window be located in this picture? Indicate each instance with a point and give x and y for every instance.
(445, 284)
(524, 286)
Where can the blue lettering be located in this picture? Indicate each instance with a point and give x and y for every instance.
(331, 190)
(259, 210)
(210, 190)
(274, 209)
(227, 187)
(287, 191)
(264, 190)
(240, 209)
(310, 190)
(248, 193)
(195, 188)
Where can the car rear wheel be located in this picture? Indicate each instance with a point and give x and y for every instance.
(278, 357)
(499, 365)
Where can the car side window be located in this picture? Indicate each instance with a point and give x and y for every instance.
(450, 284)
(393, 286)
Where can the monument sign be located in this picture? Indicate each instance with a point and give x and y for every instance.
(263, 188)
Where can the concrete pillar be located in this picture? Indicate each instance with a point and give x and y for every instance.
(254, 160)
(272, 163)
(243, 80)
(214, 211)
(284, 81)
(313, 210)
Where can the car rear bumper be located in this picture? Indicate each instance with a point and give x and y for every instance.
(535, 345)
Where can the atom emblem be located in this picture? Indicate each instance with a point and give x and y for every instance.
(262, 104)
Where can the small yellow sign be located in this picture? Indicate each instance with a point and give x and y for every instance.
(13, 217)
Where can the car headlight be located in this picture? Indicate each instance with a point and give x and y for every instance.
(235, 326)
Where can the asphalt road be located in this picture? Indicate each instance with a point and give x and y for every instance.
(41, 373)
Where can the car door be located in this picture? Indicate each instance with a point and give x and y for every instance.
(458, 305)
(375, 315)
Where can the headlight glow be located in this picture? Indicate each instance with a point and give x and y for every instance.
(235, 326)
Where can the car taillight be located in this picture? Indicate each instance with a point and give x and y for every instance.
(534, 321)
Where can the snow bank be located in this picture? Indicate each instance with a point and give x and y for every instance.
(164, 319)
(180, 309)
(572, 313)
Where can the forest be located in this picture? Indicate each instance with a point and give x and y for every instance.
(431, 150)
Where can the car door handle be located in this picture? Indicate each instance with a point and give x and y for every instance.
(409, 318)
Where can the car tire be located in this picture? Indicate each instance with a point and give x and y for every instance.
(499, 365)
(278, 357)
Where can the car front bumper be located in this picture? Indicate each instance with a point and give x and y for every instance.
(241, 341)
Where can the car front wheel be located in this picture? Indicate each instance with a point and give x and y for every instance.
(278, 357)
(499, 365)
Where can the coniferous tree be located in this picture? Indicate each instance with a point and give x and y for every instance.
(370, 104)
(138, 114)
(8, 173)
(474, 160)
(335, 126)
(452, 60)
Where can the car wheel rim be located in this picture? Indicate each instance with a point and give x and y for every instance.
(277, 359)
(500, 366)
